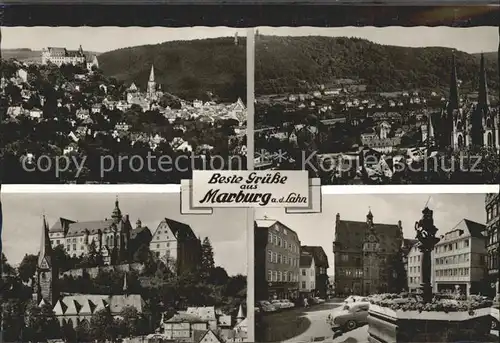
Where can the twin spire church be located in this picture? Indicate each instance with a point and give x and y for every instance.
(462, 123)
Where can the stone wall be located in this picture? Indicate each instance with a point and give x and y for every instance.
(92, 272)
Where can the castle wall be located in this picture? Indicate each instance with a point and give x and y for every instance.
(92, 272)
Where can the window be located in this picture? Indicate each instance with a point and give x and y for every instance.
(285, 244)
(303, 272)
(280, 242)
(275, 275)
(280, 259)
(275, 257)
(280, 276)
(269, 275)
(158, 246)
(344, 257)
(466, 243)
(270, 256)
(303, 284)
(58, 242)
(74, 246)
(285, 276)
(270, 236)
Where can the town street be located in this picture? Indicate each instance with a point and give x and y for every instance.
(320, 331)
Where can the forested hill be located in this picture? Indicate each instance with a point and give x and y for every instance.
(291, 64)
(188, 69)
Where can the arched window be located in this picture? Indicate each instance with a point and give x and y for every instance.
(460, 141)
(489, 139)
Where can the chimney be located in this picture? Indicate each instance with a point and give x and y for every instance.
(337, 217)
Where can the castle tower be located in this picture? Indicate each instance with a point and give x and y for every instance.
(151, 83)
(46, 272)
(240, 316)
(369, 218)
(117, 213)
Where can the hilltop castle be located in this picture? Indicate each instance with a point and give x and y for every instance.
(115, 242)
(463, 123)
(60, 56)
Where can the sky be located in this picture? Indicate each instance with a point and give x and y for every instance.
(102, 39)
(22, 221)
(470, 40)
(319, 229)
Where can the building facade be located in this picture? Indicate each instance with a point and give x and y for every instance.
(459, 259)
(277, 259)
(113, 238)
(307, 276)
(321, 268)
(492, 235)
(176, 244)
(414, 268)
(367, 257)
(60, 56)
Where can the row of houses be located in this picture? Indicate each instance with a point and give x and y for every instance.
(285, 269)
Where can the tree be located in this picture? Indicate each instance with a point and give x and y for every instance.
(133, 321)
(207, 257)
(103, 326)
(27, 267)
(41, 322)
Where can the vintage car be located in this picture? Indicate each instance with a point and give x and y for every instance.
(349, 317)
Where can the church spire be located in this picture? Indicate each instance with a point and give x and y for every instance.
(45, 247)
(483, 100)
(453, 99)
(240, 316)
(152, 74)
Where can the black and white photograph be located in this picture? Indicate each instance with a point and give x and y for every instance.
(379, 105)
(100, 267)
(379, 268)
(121, 104)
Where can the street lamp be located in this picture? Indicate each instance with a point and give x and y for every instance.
(426, 232)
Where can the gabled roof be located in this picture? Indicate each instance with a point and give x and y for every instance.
(475, 229)
(319, 255)
(350, 235)
(138, 230)
(180, 230)
(205, 313)
(183, 317)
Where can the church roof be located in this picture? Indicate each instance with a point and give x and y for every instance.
(85, 304)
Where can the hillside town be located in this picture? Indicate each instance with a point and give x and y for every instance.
(371, 259)
(346, 134)
(109, 280)
(64, 108)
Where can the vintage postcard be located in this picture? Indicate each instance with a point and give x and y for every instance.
(121, 104)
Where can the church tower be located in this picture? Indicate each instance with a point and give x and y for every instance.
(371, 262)
(117, 213)
(151, 92)
(449, 123)
(46, 271)
(479, 113)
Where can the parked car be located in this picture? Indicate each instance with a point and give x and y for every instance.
(280, 304)
(318, 300)
(495, 310)
(355, 298)
(350, 317)
(286, 303)
(266, 306)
